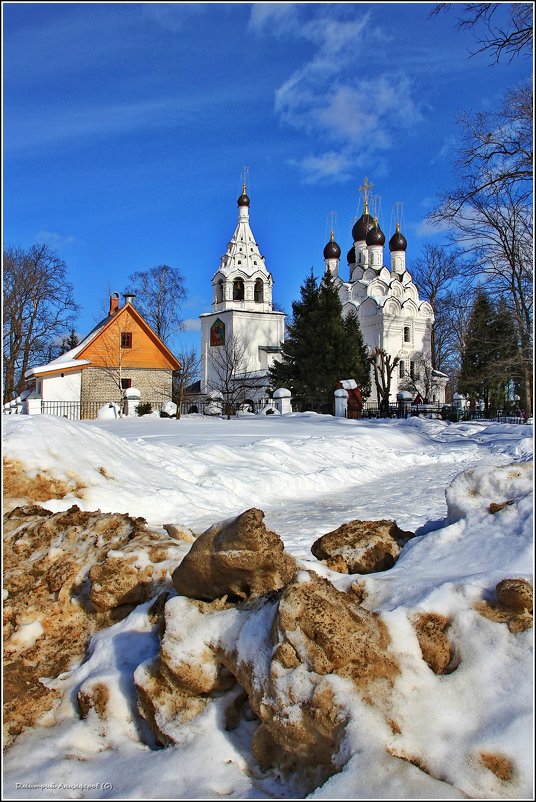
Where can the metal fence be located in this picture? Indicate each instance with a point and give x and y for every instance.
(439, 411)
(321, 406)
(87, 410)
(82, 410)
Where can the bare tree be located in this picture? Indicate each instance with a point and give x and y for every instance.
(383, 365)
(434, 273)
(186, 376)
(496, 152)
(420, 379)
(453, 316)
(231, 373)
(38, 309)
(159, 293)
(509, 37)
(496, 228)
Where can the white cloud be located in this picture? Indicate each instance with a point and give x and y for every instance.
(428, 229)
(191, 324)
(53, 238)
(172, 16)
(332, 164)
(358, 114)
(280, 18)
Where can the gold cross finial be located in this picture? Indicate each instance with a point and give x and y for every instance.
(245, 171)
(365, 190)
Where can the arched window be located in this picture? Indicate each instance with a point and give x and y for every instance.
(259, 291)
(238, 290)
(219, 292)
(407, 334)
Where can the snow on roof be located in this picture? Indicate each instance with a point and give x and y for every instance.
(68, 359)
(58, 365)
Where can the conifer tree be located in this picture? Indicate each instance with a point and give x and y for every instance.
(298, 357)
(507, 373)
(359, 367)
(477, 351)
(321, 347)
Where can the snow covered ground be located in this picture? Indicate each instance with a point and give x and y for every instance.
(309, 473)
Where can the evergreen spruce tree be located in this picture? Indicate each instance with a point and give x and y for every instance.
(359, 366)
(321, 347)
(295, 363)
(70, 342)
(506, 375)
(479, 351)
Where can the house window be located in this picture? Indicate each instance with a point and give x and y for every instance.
(402, 369)
(407, 334)
(126, 383)
(126, 339)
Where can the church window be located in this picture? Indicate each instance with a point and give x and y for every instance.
(407, 334)
(126, 339)
(412, 369)
(238, 289)
(219, 292)
(254, 262)
(402, 369)
(258, 291)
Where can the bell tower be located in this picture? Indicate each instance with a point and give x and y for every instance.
(242, 301)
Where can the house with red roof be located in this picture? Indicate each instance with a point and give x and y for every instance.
(121, 352)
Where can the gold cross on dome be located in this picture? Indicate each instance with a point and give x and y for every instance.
(245, 173)
(365, 190)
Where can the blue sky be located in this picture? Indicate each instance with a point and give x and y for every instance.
(126, 127)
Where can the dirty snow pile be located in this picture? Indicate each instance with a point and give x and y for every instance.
(464, 489)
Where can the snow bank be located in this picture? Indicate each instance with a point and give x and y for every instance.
(307, 472)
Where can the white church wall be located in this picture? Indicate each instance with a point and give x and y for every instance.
(256, 329)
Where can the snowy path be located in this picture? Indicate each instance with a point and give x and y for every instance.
(413, 497)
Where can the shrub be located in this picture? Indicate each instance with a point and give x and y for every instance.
(144, 409)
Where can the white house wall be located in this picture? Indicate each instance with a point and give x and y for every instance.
(61, 388)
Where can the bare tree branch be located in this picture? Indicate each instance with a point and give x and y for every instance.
(38, 310)
(510, 38)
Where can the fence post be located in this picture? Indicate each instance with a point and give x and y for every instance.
(131, 400)
(282, 400)
(341, 402)
(32, 406)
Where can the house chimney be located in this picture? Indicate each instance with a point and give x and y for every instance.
(129, 297)
(114, 303)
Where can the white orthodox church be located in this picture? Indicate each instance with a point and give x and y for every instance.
(386, 300)
(243, 314)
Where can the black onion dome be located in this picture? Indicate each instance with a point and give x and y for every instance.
(332, 250)
(243, 200)
(398, 241)
(362, 227)
(351, 256)
(375, 235)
